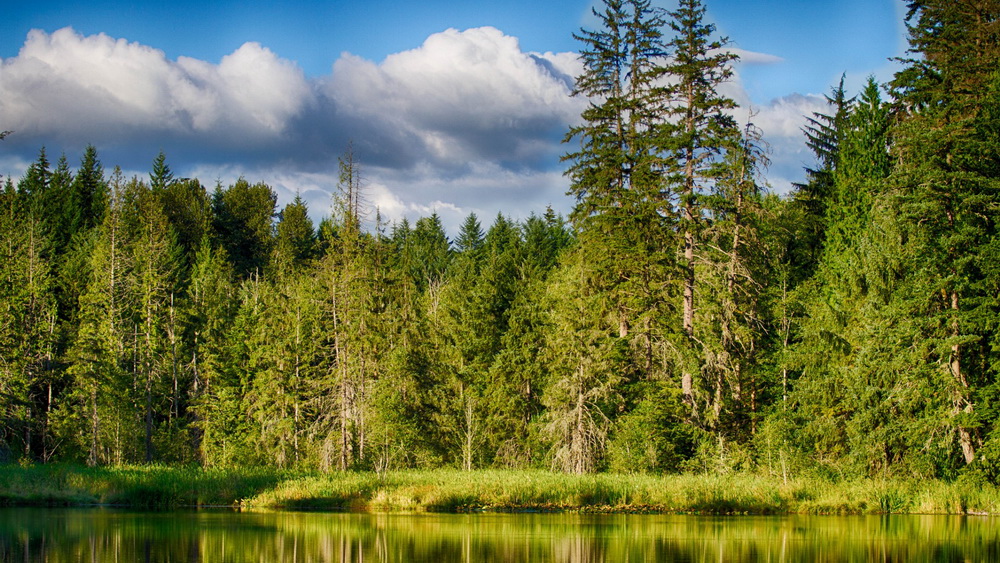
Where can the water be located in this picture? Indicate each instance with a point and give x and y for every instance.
(57, 535)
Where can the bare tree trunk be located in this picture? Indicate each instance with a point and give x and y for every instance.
(960, 402)
(469, 442)
(174, 363)
(148, 367)
(687, 386)
(94, 427)
(687, 383)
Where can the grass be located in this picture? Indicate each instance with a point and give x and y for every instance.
(448, 490)
(151, 486)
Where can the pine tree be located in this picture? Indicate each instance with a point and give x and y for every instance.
(101, 416)
(946, 184)
(585, 364)
(28, 336)
(695, 140)
(161, 177)
(470, 236)
(295, 244)
(824, 134)
(208, 315)
(36, 179)
(429, 252)
(615, 173)
(189, 210)
(153, 284)
(87, 198)
(735, 272)
(243, 216)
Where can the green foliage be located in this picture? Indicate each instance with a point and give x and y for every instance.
(295, 244)
(684, 320)
(243, 215)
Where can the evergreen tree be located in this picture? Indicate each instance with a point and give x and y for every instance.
(88, 194)
(585, 364)
(209, 313)
(243, 216)
(161, 177)
(470, 236)
(734, 270)
(824, 134)
(945, 140)
(695, 139)
(615, 175)
(36, 179)
(28, 337)
(429, 252)
(295, 244)
(101, 416)
(189, 210)
(153, 284)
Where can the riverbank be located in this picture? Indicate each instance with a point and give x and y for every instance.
(447, 490)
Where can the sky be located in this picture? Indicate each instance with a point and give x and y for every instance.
(450, 106)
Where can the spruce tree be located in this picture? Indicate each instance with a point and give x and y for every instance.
(243, 216)
(695, 139)
(946, 185)
(295, 243)
(615, 173)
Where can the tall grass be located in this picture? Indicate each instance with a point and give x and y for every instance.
(485, 490)
(150, 486)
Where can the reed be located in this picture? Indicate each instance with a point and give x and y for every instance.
(450, 490)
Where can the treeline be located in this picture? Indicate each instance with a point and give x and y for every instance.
(683, 320)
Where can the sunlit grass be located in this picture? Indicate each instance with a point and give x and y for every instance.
(452, 490)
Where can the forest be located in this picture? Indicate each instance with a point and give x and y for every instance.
(683, 318)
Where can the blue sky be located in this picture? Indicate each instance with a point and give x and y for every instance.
(448, 121)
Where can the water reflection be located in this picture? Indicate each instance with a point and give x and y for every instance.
(56, 535)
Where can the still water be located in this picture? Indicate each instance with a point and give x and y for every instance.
(215, 535)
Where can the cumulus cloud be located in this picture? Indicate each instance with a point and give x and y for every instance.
(462, 97)
(71, 89)
(466, 122)
(782, 121)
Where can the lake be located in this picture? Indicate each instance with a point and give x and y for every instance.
(100, 534)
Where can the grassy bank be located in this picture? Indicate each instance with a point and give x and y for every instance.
(496, 490)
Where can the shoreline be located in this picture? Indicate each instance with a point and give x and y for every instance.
(484, 491)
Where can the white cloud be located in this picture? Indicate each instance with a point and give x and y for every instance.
(782, 121)
(755, 58)
(93, 88)
(462, 95)
(251, 89)
(466, 122)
